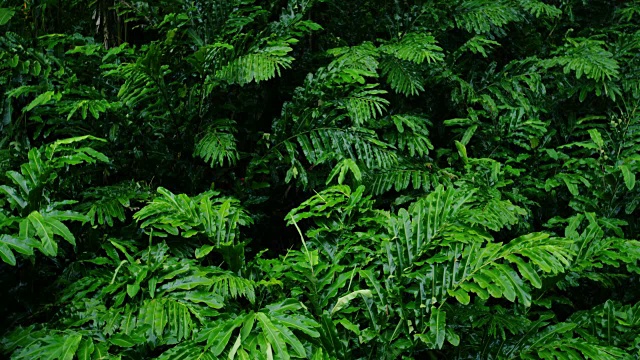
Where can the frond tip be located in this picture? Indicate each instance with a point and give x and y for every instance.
(218, 144)
(264, 64)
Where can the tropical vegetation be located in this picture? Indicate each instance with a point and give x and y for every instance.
(320, 179)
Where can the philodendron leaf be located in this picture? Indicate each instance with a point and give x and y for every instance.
(70, 346)
(45, 233)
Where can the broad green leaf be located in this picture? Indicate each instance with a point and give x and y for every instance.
(219, 337)
(596, 137)
(85, 349)
(462, 150)
(212, 300)
(273, 335)
(349, 326)
(5, 15)
(19, 180)
(629, 176)
(60, 229)
(437, 326)
(204, 251)
(291, 339)
(461, 295)
(187, 283)
(126, 341)
(70, 347)
(13, 197)
(45, 233)
(153, 314)
(526, 270)
(452, 337)
(346, 299)
(41, 99)
(132, 289)
(7, 255)
(299, 322)
(573, 188)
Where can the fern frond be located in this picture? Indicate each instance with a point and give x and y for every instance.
(232, 286)
(401, 76)
(586, 57)
(173, 214)
(105, 204)
(489, 270)
(414, 139)
(480, 16)
(269, 333)
(144, 81)
(416, 48)
(218, 144)
(558, 341)
(188, 350)
(53, 345)
(358, 144)
(468, 260)
(598, 257)
(478, 44)
(263, 64)
(399, 178)
(538, 8)
(495, 214)
(627, 11)
(364, 105)
(342, 168)
(353, 64)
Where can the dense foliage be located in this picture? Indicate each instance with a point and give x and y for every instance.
(247, 179)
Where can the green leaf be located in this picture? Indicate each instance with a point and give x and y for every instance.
(45, 233)
(235, 347)
(596, 137)
(13, 196)
(70, 346)
(153, 314)
(461, 295)
(41, 99)
(24, 246)
(5, 15)
(300, 323)
(85, 349)
(345, 300)
(210, 299)
(462, 150)
(629, 177)
(273, 336)
(204, 251)
(187, 283)
(7, 255)
(573, 188)
(126, 341)
(526, 270)
(219, 337)
(437, 326)
(61, 229)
